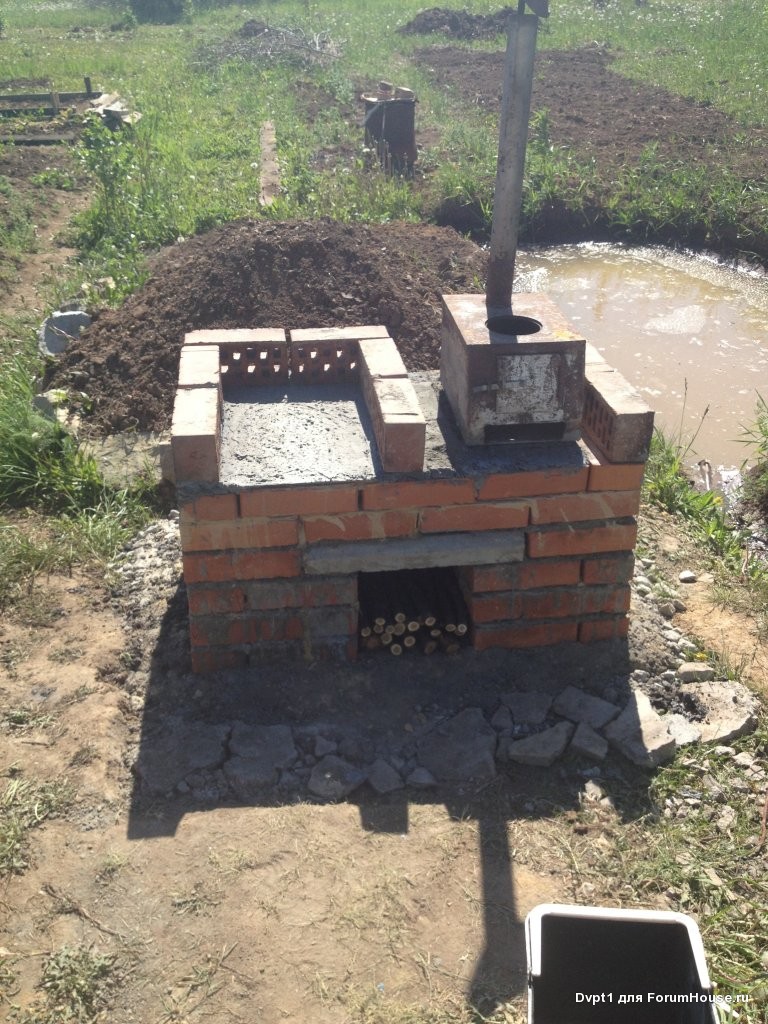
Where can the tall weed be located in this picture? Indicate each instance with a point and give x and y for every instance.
(41, 465)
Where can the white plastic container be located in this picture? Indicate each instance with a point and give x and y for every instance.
(595, 965)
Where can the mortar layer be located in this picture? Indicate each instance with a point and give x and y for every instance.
(314, 434)
(297, 434)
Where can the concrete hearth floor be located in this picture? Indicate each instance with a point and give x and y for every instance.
(316, 433)
(295, 434)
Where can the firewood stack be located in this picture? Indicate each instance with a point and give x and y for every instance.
(418, 611)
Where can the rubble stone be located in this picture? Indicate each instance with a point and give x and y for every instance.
(541, 749)
(461, 749)
(383, 777)
(695, 672)
(333, 778)
(528, 708)
(640, 734)
(579, 706)
(731, 709)
(587, 742)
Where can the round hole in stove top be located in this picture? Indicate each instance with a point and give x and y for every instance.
(511, 325)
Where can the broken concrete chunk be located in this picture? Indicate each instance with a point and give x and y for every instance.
(179, 749)
(333, 778)
(640, 734)
(271, 744)
(461, 749)
(502, 719)
(695, 672)
(383, 777)
(421, 778)
(541, 750)
(248, 776)
(588, 743)
(528, 708)
(682, 729)
(731, 709)
(579, 706)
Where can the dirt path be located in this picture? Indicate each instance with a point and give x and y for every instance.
(33, 280)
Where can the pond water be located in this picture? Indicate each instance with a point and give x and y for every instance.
(689, 333)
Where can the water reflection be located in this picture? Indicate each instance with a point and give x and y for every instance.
(688, 332)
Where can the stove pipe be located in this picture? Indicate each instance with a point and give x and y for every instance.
(513, 136)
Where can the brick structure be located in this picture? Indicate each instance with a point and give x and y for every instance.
(541, 545)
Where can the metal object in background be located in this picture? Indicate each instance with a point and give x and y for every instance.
(390, 127)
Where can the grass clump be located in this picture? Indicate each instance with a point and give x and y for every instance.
(75, 983)
(689, 856)
(24, 805)
(41, 465)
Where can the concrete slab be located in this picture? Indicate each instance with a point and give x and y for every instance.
(417, 553)
(296, 434)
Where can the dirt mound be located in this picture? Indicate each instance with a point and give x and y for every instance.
(460, 24)
(265, 274)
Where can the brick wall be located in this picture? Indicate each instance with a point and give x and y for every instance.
(542, 556)
(268, 570)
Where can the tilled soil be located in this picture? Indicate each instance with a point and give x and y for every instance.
(266, 274)
(603, 116)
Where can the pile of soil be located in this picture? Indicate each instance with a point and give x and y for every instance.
(460, 24)
(265, 274)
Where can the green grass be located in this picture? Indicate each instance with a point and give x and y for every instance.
(75, 984)
(24, 806)
(692, 860)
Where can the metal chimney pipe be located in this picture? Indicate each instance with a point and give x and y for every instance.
(513, 136)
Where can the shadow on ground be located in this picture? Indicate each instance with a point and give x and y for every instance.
(384, 709)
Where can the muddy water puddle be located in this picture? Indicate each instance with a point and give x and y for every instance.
(687, 332)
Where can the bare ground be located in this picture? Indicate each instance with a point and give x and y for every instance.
(331, 912)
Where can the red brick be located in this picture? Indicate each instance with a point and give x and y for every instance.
(307, 335)
(255, 565)
(361, 526)
(216, 600)
(603, 629)
(581, 541)
(215, 507)
(608, 600)
(242, 533)
(474, 517)
(207, 568)
(320, 593)
(228, 631)
(554, 603)
(207, 659)
(609, 569)
(618, 476)
(194, 435)
(526, 485)
(414, 495)
(299, 501)
(240, 565)
(199, 366)
(524, 635)
(380, 357)
(325, 622)
(236, 336)
(575, 508)
(522, 576)
(495, 607)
